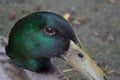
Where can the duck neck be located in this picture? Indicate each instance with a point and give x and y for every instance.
(45, 65)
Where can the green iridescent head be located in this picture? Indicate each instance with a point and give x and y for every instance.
(39, 36)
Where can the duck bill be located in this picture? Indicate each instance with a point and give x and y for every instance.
(80, 60)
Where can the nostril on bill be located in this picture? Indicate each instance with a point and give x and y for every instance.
(105, 78)
(80, 55)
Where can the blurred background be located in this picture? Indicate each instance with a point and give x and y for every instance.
(96, 22)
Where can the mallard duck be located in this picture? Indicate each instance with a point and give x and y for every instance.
(37, 38)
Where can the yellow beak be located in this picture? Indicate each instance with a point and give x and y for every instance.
(80, 60)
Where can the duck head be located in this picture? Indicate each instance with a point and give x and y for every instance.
(40, 36)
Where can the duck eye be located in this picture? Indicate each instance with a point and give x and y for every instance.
(49, 31)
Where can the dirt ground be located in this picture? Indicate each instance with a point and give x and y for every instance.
(96, 22)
